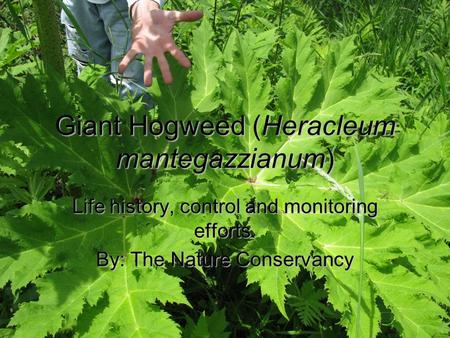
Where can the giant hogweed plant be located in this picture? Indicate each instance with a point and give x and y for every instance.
(405, 257)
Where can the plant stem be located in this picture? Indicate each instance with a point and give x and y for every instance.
(235, 22)
(238, 14)
(215, 14)
(361, 240)
(280, 19)
(49, 35)
(280, 22)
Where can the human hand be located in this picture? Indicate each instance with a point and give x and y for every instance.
(152, 37)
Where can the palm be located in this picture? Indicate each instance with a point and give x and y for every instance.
(152, 37)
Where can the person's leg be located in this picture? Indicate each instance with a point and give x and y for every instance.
(118, 28)
(98, 47)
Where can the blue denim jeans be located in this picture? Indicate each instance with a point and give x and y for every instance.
(106, 28)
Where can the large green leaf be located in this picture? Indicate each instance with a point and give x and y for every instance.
(405, 255)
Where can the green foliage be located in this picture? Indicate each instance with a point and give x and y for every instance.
(307, 302)
(207, 326)
(18, 47)
(280, 68)
(14, 46)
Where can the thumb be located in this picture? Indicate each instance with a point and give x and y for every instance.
(187, 15)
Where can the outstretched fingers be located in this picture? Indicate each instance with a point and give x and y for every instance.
(165, 69)
(156, 41)
(180, 57)
(148, 70)
(127, 59)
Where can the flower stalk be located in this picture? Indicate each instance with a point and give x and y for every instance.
(49, 35)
